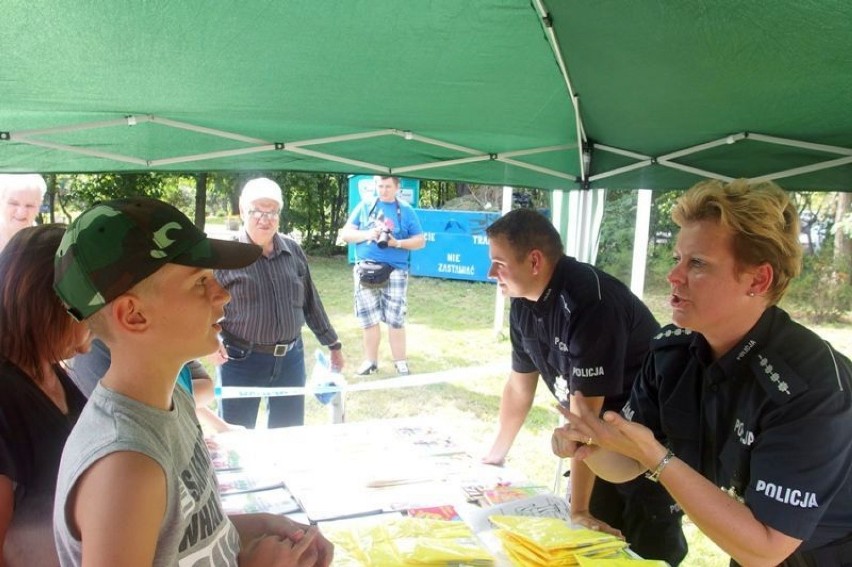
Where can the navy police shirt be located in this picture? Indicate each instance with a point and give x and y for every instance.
(770, 422)
(587, 333)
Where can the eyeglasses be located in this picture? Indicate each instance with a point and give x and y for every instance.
(268, 215)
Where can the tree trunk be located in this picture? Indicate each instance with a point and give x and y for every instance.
(200, 200)
(51, 196)
(842, 240)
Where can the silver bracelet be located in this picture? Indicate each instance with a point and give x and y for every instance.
(655, 475)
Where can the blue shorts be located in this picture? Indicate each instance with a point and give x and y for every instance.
(382, 304)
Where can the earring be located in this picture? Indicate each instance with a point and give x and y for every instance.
(751, 294)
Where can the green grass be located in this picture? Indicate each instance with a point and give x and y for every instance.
(450, 326)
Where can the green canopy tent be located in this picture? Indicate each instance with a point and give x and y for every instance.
(554, 94)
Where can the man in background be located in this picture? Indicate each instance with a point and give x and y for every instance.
(385, 230)
(271, 300)
(582, 331)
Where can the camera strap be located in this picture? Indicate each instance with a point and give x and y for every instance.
(398, 211)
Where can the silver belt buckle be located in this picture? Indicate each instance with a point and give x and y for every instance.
(281, 350)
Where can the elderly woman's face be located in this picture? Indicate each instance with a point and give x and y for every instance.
(20, 208)
(709, 294)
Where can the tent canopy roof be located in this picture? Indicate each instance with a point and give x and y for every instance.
(480, 91)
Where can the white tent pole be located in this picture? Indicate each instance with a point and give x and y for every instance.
(204, 130)
(499, 300)
(799, 144)
(343, 138)
(727, 140)
(449, 162)
(212, 155)
(640, 242)
(409, 135)
(695, 170)
(619, 151)
(557, 53)
(330, 157)
(537, 168)
(804, 169)
(620, 170)
(131, 120)
(82, 151)
(533, 151)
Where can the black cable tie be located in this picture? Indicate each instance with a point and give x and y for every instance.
(279, 145)
(492, 157)
(6, 136)
(653, 161)
(548, 20)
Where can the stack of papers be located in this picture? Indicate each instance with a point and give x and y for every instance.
(531, 541)
(406, 541)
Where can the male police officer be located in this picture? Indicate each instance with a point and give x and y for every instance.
(583, 331)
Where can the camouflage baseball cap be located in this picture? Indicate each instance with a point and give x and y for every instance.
(116, 244)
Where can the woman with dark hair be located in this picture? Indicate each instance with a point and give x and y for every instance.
(39, 403)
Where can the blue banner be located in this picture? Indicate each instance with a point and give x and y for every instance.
(456, 245)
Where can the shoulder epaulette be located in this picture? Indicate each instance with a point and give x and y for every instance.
(672, 335)
(779, 380)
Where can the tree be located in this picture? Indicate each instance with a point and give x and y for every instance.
(843, 235)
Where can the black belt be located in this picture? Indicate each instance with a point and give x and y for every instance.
(278, 349)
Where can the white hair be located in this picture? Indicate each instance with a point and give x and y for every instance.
(260, 188)
(22, 182)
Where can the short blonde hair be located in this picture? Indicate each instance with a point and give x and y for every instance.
(762, 218)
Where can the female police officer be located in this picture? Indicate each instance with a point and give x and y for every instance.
(736, 395)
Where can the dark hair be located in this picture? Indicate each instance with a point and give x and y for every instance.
(395, 179)
(34, 326)
(526, 230)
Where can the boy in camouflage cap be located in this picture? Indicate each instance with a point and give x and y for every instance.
(136, 485)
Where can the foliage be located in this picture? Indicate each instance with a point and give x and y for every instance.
(615, 247)
(78, 192)
(832, 301)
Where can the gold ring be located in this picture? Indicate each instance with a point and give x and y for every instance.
(589, 440)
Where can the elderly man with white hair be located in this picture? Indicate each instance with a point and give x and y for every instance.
(20, 199)
(270, 302)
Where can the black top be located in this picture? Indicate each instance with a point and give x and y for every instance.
(770, 422)
(33, 430)
(587, 332)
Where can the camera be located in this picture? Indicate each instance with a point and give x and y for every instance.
(384, 236)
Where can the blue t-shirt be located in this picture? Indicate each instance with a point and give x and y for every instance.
(398, 216)
(184, 378)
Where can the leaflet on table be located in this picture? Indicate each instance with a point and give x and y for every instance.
(274, 501)
(509, 492)
(330, 501)
(236, 481)
(540, 505)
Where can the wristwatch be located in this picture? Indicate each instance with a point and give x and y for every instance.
(335, 346)
(398, 244)
(654, 476)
